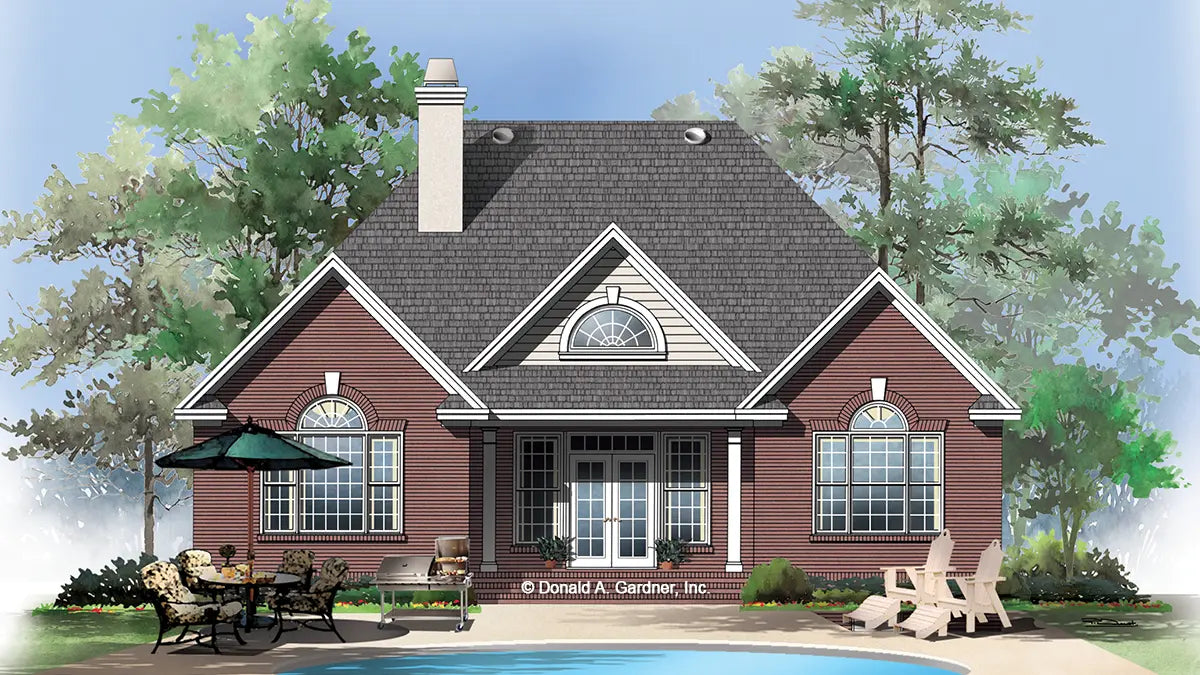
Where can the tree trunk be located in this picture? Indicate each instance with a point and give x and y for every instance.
(1068, 556)
(885, 186)
(148, 496)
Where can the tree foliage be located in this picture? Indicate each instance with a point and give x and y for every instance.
(1077, 433)
(207, 205)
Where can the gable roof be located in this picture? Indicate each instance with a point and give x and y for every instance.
(999, 405)
(198, 405)
(728, 227)
(610, 237)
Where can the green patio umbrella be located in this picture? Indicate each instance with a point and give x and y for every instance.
(250, 448)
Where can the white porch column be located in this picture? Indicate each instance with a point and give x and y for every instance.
(489, 501)
(733, 559)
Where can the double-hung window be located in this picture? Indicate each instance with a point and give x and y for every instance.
(537, 487)
(363, 496)
(687, 488)
(879, 477)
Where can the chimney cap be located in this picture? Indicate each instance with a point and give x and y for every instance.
(441, 72)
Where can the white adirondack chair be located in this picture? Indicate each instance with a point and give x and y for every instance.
(929, 580)
(979, 590)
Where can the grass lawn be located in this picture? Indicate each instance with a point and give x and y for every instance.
(1165, 643)
(53, 639)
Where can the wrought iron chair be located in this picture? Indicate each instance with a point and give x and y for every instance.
(177, 606)
(317, 601)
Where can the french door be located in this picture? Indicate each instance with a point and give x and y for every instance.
(612, 510)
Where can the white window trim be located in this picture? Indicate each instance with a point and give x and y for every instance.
(706, 462)
(298, 484)
(658, 350)
(559, 488)
(907, 434)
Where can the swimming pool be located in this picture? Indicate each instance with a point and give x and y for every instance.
(624, 662)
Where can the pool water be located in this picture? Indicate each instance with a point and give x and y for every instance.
(631, 662)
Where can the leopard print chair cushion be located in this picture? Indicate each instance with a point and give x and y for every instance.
(333, 572)
(196, 563)
(162, 579)
(193, 614)
(298, 562)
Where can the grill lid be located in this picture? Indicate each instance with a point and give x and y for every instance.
(404, 567)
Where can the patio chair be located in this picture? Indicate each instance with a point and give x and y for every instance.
(194, 564)
(929, 580)
(979, 590)
(316, 602)
(299, 562)
(176, 606)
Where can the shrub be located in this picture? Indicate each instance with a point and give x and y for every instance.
(840, 595)
(118, 583)
(869, 585)
(777, 581)
(1037, 572)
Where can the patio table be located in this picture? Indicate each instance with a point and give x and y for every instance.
(248, 586)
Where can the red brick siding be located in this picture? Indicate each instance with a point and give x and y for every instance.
(332, 332)
(778, 470)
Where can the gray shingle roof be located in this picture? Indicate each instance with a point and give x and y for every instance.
(722, 220)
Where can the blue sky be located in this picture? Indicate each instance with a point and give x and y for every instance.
(67, 67)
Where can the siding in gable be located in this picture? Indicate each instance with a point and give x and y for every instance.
(877, 342)
(441, 466)
(539, 345)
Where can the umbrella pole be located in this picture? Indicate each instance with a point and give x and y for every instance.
(250, 514)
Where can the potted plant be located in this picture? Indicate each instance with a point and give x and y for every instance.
(670, 552)
(555, 549)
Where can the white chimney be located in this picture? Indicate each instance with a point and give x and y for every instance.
(440, 149)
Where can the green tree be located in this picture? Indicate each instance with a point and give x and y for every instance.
(269, 158)
(98, 328)
(289, 145)
(1079, 434)
(908, 87)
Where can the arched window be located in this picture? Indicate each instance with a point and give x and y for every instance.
(333, 413)
(363, 496)
(878, 416)
(612, 327)
(878, 477)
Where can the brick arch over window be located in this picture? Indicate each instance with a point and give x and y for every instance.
(308, 396)
(864, 397)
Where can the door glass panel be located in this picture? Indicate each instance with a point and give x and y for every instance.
(632, 495)
(589, 508)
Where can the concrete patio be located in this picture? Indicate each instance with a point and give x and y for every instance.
(519, 626)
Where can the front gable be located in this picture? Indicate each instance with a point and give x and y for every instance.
(880, 296)
(331, 285)
(542, 342)
(612, 271)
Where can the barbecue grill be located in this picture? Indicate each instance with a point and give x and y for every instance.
(445, 570)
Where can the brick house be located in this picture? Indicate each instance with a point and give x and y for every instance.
(612, 331)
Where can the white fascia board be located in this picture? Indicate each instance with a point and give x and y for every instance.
(910, 310)
(638, 415)
(981, 415)
(644, 266)
(201, 414)
(457, 415)
(332, 265)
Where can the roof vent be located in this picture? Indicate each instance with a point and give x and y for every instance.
(502, 135)
(696, 136)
